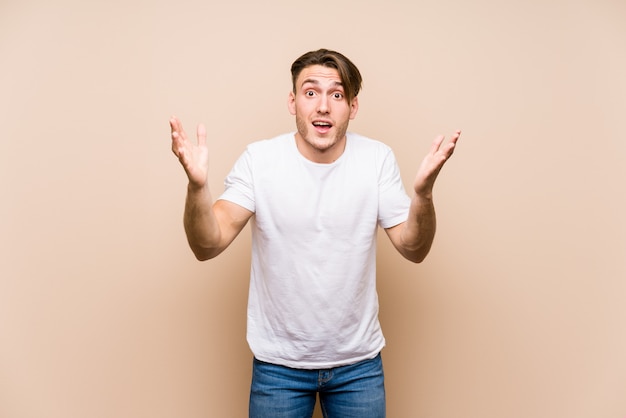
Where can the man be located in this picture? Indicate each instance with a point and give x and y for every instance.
(316, 198)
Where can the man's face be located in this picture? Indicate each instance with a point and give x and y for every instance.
(322, 113)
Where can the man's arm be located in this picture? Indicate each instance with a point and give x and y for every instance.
(414, 237)
(210, 227)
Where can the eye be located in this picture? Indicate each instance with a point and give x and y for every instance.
(338, 96)
(309, 93)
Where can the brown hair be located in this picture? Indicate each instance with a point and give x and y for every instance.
(348, 72)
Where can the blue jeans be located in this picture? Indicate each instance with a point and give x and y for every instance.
(356, 390)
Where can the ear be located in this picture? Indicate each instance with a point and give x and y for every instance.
(354, 108)
(291, 103)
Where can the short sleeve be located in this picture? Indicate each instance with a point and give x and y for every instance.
(393, 202)
(239, 185)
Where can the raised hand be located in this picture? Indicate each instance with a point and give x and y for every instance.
(193, 157)
(431, 165)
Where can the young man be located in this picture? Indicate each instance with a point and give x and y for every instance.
(316, 198)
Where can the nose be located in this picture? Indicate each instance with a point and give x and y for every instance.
(322, 105)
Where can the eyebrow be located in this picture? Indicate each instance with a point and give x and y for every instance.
(316, 82)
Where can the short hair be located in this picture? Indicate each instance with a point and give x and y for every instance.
(348, 72)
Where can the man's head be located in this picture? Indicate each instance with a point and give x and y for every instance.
(324, 100)
(348, 72)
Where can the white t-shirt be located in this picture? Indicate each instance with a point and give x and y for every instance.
(312, 302)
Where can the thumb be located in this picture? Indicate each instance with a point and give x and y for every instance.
(201, 133)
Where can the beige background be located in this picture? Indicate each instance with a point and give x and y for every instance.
(519, 310)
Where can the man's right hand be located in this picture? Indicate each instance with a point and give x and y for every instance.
(193, 157)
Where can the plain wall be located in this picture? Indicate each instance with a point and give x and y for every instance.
(517, 312)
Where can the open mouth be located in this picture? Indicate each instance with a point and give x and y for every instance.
(322, 126)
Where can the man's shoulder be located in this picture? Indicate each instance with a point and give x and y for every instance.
(364, 142)
(271, 144)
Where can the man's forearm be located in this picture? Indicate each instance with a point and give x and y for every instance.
(201, 226)
(419, 229)
(415, 236)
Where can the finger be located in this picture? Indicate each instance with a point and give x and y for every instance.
(448, 149)
(178, 147)
(436, 144)
(201, 133)
(453, 141)
(177, 141)
(182, 157)
(174, 124)
(182, 153)
(456, 136)
(177, 126)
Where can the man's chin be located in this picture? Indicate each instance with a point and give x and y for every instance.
(323, 143)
